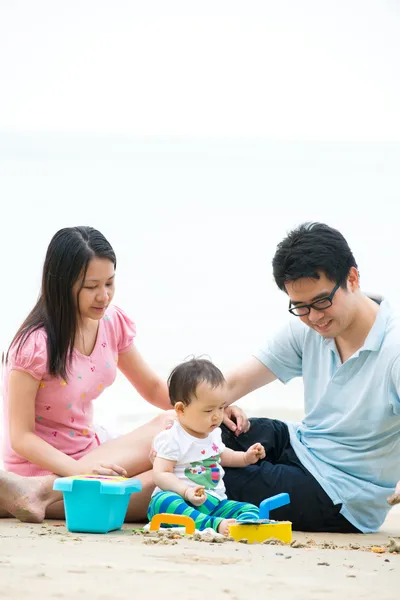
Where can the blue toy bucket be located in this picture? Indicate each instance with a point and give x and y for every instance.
(96, 504)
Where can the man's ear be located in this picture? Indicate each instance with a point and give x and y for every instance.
(353, 279)
(179, 408)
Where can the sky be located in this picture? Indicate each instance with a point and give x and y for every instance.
(194, 136)
(308, 70)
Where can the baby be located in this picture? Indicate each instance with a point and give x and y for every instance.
(188, 469)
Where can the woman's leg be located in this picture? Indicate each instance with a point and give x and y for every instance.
(139, 503)
(130, 451)
(28, 498)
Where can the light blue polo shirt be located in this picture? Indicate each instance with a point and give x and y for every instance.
(349, 438)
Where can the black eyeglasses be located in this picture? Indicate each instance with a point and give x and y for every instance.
(322, 304)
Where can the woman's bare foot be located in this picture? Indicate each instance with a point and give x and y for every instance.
(223, 527)
(26, 497)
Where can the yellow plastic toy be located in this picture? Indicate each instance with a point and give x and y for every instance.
(259, 532)
(264, 528)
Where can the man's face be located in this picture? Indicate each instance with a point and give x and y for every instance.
(333, 321)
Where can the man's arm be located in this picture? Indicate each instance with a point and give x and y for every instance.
(283, 353)
(248, 377)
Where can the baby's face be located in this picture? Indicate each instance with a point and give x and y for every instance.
(206, 410)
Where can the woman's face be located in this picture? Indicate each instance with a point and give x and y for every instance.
(97, 289)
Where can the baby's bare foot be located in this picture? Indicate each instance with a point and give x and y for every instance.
(26, 498)
(223, 527)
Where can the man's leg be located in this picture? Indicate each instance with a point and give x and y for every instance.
(310, 508)
(271, 433)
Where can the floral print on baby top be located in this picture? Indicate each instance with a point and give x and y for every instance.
(64, 409)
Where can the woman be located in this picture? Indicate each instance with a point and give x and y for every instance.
(63, 356)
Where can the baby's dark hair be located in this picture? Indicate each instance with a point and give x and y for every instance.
(184, 379)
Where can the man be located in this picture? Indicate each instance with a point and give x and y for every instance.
(341, 462)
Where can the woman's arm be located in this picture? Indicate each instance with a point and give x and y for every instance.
(22, 390)
(151, 387)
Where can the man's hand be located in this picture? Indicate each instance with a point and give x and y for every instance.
(235, 419)
(195, 495)
(255, 453)
(395, 498)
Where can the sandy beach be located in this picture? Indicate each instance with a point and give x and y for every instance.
(197, 137)
(45, 561)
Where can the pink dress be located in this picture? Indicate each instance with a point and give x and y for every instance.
(64, 409)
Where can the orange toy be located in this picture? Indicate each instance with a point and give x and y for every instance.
(168, 519)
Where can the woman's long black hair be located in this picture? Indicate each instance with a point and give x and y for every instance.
(67, 259)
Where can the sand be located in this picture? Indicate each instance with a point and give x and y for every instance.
(45, 561)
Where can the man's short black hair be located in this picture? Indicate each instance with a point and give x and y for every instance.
(310, 249)
(185, 378)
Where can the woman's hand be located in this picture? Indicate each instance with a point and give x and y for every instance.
(235, 419)
(169, 417)
(106, 469)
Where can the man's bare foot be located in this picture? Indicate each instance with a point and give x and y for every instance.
(394, 499)
(26, 497)
(223, 527)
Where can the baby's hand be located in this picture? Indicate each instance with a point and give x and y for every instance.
(255, 453)
(195, 495)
